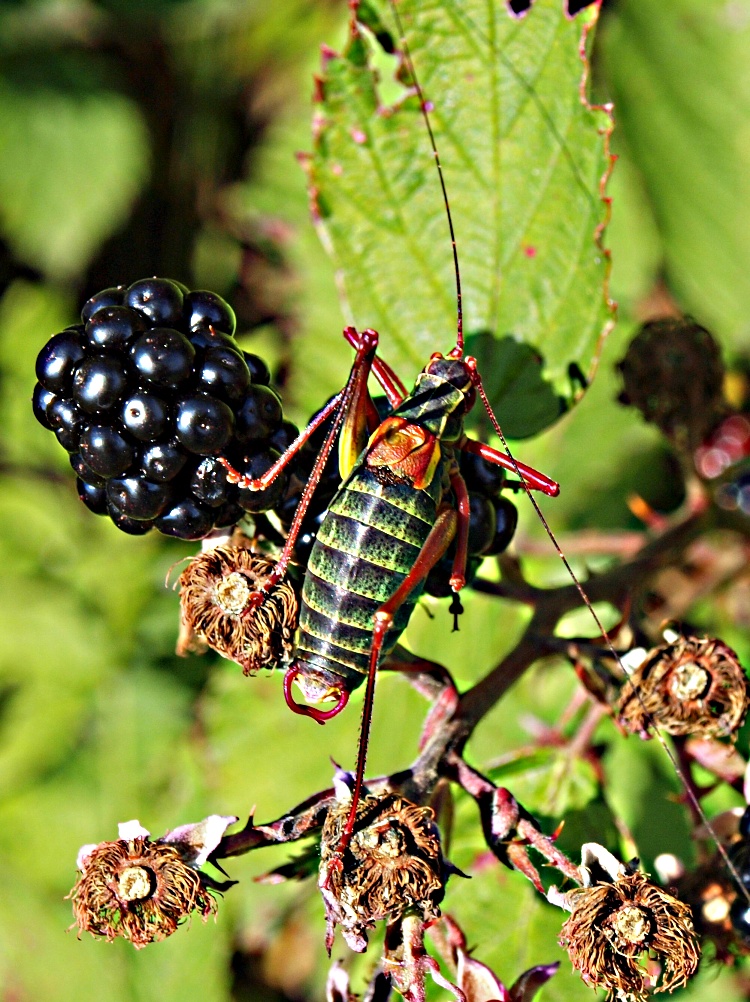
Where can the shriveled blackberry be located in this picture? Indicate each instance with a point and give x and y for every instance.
(674, 374)
(146, 393)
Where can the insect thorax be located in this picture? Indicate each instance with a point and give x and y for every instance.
(442, 395)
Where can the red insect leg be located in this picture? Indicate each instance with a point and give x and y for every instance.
(392, 386)
(534, 479)
(432, 551)
(458, 571)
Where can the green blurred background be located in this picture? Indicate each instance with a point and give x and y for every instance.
(140, 137)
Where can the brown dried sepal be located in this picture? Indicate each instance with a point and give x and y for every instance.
(693, 686)
(217, 604)
(615, 927)
(392, 866)
(139, 890)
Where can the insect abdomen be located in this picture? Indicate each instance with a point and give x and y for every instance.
(367, 544)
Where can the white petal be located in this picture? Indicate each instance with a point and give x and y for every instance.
(198, 841)
(633, 659)
(128, 830)
(83, 854)
(592, 852)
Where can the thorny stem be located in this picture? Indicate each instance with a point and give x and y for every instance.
(453, 718)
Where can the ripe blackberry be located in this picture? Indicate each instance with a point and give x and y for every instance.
(223, 373)
(57, 360)
(203, 424)
(506, 520)
(106, 451)
(83, 472)
(111, 327)
(137, 497)
(206, 309)
(95, 498)
(189, 519)
(255, 464)
(99, 382)
(107, 297)
(481, 523)
(163, 357)
(145, 393)
(162, 461)
(133, 526)
(158, 299)
(145, 416)
(41, 401)
(66, 421)
(259, 415)
(209, 484)
(259, 372)
(492, 522)
(487, 478)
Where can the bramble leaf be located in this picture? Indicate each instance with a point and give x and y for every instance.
(523, 159)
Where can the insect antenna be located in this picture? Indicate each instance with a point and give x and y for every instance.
(459, 349)
(458, 352)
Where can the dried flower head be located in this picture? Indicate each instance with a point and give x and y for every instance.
(691, 686)
(393, 865)
(619, 920)
(218, 591)
(141, 889)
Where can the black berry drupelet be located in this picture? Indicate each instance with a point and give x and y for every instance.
(145, 394)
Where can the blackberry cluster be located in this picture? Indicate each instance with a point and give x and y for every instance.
(492, 522)
(145, 393)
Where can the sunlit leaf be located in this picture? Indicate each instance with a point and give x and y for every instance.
(523, 160)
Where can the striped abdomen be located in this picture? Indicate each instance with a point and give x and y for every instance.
(367, 544)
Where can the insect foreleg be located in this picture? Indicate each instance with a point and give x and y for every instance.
(534, 479)
(458, 571)
(264, 481)
(390, 383)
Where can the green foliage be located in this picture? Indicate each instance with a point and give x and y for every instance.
(60, 194)
(523, 164)
(101, 179)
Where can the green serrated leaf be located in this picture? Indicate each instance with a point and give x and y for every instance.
(523, 158)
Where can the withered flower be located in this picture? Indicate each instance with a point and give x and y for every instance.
(691, 686)
(217, 602)
(141, 889)
(392, 866)
(619, 920)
